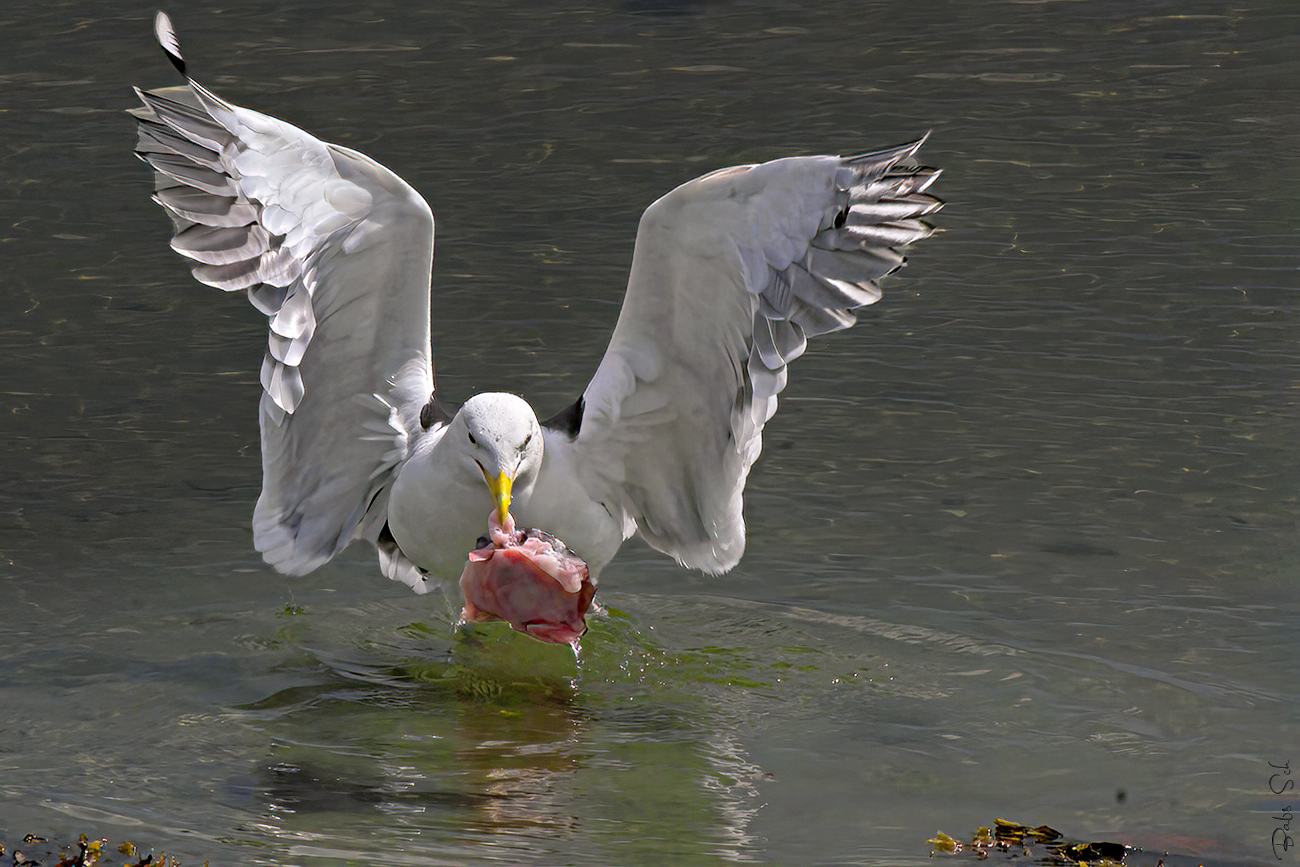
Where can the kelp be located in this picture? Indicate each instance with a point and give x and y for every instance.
(38, 851)
(1044, 845)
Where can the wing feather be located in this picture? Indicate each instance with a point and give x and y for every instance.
(337, 252)
(731, 274)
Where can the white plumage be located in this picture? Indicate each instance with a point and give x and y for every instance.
(731, 273)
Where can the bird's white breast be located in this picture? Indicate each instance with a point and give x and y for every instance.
(437, 510)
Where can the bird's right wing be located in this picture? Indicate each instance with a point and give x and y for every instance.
(732, 272)
(337, 251)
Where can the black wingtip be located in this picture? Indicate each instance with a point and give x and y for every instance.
(433, 413)
(568, 421)
(166, 33)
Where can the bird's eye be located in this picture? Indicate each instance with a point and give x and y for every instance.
(472, 441)
(527, 440)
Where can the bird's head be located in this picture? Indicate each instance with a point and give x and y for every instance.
(500, 434)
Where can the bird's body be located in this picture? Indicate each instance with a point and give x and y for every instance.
(730, 274)
(436, 489)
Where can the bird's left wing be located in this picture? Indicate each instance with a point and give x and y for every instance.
(337, 251)
(731, 273)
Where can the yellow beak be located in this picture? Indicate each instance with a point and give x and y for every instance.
(500, 487)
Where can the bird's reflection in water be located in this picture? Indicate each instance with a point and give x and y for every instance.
(503, 739)
(458, 734)
(522, 761)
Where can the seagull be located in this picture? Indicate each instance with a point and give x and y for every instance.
(731, 273)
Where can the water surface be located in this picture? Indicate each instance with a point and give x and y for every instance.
(1022, 544)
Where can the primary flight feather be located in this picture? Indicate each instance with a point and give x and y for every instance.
(731, 273)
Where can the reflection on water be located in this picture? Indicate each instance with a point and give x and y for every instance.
(510, 743)
(638, 748)
(1022, 541)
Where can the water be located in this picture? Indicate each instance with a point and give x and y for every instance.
(1023, 543)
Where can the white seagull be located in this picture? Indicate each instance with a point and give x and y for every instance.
(731, 273)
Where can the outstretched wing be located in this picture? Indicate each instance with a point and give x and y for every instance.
(732, 273)
(337, 251)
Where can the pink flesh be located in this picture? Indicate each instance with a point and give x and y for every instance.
(529, 583)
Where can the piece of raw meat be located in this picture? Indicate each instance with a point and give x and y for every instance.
(528, 579)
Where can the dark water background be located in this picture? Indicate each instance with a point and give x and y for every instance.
(1023, 543)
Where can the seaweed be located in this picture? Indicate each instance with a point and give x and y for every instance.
(1044, 845)
(40, 851)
